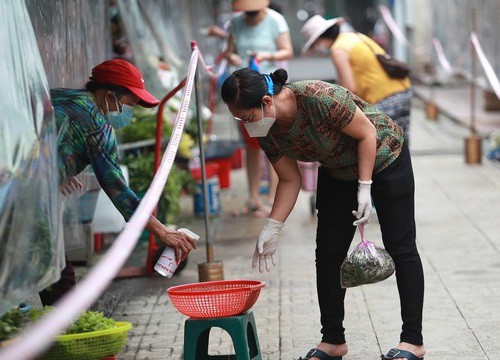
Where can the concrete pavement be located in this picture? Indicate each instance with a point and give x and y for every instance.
(454, 101)
(457, 207)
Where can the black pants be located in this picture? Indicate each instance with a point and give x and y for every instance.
(393, 195)
(54, 292)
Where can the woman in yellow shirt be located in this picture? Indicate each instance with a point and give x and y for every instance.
(358, 69)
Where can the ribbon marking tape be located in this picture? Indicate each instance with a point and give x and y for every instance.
(488, 69)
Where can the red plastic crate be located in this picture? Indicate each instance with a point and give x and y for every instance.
(237, 159)
(212, 169)
(224, 172)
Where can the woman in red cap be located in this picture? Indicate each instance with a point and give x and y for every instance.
(85, 121)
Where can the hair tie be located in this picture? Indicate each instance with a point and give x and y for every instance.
(269, 83)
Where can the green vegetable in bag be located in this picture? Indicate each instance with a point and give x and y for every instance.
(365, 264)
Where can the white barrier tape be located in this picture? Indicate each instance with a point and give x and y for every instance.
(443, 61)
(391, 24)
(37, 338)
(488, 69)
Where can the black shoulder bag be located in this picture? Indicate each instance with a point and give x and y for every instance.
(394, 68)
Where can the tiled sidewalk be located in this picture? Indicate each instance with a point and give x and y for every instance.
(457, 209)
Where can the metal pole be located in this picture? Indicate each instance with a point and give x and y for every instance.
(473, 77)
(431, 109)
(206, 204)
(473, 147)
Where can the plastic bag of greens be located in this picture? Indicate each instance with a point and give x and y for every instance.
(365, 264)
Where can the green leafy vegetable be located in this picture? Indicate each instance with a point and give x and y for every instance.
(91, 321)
(10, 324)
(366, 264)
(143, 126)
(141, 174)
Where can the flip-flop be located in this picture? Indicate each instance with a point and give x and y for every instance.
(321, 355)
(396, 353)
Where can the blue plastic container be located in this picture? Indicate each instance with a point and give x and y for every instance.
(213, 189)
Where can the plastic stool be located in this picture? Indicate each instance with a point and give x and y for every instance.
(241, 328)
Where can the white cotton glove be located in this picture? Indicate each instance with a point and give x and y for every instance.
(266, 245)
(364, 203)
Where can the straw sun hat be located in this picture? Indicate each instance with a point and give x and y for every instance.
(249, 5)
(314, 27)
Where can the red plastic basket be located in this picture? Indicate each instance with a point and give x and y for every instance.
(214, 299)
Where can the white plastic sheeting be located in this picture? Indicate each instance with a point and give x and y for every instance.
(29, 247)
(73, 37)
(146, 51)
(165, 28)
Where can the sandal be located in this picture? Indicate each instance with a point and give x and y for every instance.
(321, 355)
(396, 353)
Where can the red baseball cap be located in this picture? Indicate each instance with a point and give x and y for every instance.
(122, 73)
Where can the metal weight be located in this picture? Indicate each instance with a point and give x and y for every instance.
(473, 149)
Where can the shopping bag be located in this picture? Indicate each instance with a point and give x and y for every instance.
(365, 264)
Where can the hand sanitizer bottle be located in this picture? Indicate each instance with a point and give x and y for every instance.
(167, 264)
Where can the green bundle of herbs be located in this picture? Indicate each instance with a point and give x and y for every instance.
(365, 264)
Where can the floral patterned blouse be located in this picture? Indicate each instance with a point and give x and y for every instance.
(323, 109)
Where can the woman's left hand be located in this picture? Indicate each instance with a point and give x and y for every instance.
(70, 185)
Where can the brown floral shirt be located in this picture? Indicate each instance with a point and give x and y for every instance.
(323, 109)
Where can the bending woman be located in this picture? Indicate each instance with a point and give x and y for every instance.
(86, 120)
(362, 154)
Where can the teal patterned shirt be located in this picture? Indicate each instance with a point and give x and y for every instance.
(323, 109)
(84, 137)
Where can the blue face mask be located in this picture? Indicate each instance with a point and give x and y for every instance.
(119, 119)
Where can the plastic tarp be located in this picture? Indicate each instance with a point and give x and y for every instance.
(145, 48)
(29, 246)
(168, 38)
(73, 37)
(165, 28)
(157, 29)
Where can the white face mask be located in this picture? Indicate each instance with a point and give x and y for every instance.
(261, 128)
(119, 119)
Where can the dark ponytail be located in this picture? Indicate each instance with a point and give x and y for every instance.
(279, 77)
(245, 88)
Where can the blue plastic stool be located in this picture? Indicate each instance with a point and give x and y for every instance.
(241, 328)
